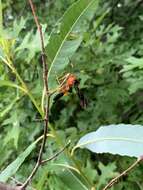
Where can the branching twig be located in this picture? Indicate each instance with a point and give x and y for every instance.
(56, 154)
(47, 96)
(115, 180)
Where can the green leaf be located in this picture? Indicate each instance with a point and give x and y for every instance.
(41, 182)
(69, 175)
(31, 42)
(133, 63)
(119, 139)
(14, 166)
(107, 172)
(71, 180)
(60, 48)
(8, 108)
(55, 183)
(10, 84)
(13, 133)
(90, 171)
(18, 25)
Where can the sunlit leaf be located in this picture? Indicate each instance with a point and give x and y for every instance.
(119, 139)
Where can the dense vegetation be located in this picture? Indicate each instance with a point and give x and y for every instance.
(108, 62)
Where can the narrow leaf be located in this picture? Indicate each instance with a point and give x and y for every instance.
(72, 180)
(10, 84)
(8, 108)
(61, 47)
(119, 139)
(14, 166)
(11, 169)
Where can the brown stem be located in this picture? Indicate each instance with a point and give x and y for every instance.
(45, 68)
(115, 180)
(47, 97)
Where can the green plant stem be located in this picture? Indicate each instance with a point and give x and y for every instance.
(28, 92)
(24, 86)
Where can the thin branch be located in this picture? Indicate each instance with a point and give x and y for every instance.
(115, 180)
(56, 154)
(18, 183)
(46, 94)
(43, 55)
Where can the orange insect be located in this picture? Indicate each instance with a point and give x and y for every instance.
(70, 81)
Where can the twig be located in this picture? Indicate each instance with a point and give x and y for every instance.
(38, 120)
(43, 55)
(56, 154)
(115, 180)
(47, 97)
(16, 181)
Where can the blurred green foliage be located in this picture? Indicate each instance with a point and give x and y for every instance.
(109, 64)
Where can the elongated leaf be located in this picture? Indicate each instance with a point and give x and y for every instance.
(14, 131)
(133, 63)
(72, 180)
(10, 84)
(14, 166)
(8, 108)
(61, 47)
(119, 139)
